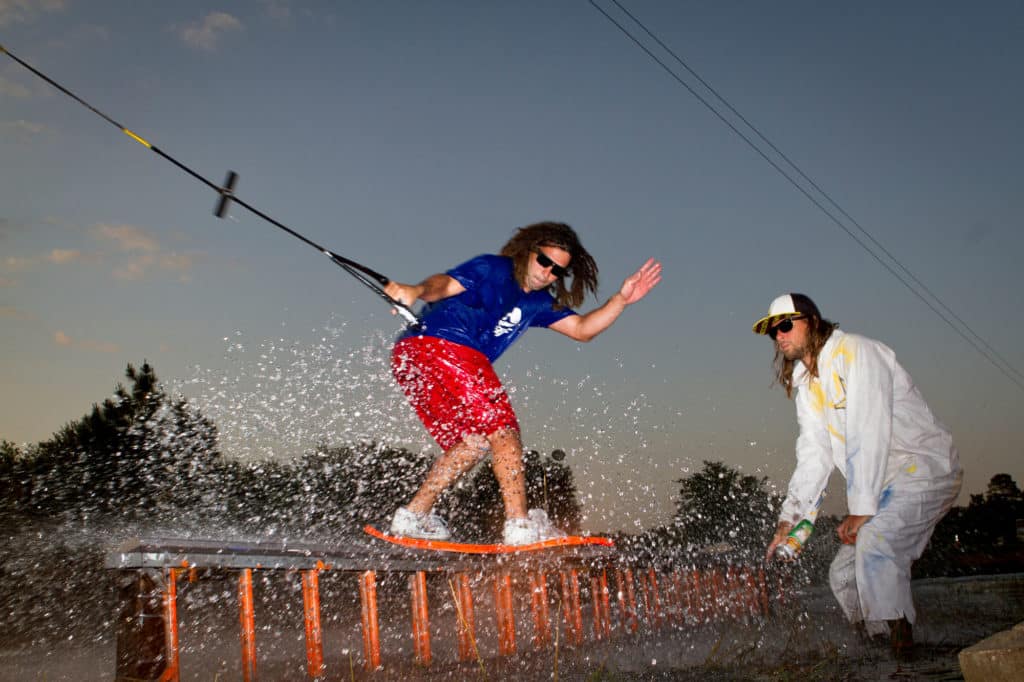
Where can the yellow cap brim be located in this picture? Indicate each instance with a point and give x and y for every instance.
(767, 322)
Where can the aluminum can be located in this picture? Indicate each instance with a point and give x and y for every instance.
(795, 541)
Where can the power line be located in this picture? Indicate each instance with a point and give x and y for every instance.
(988, 352)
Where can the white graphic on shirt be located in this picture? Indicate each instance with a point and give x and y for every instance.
(508, 324)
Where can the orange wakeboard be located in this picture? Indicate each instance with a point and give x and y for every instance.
(472, 548)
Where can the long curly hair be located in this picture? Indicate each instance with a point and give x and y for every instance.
(582, 267)
(818, 332)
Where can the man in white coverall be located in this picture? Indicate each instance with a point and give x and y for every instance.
(859, 411)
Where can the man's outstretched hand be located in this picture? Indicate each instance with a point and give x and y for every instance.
(641, 282)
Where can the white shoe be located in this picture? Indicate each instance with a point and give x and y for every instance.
(428, 526)
(536, 527)
(519, 532)
(545, 529)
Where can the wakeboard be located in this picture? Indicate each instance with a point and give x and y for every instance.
(474, 548)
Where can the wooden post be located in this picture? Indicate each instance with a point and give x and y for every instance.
(144, 632)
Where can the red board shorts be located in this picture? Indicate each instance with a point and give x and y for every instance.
(453, 388)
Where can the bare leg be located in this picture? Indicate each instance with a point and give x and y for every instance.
(509, 469)
(446, 470)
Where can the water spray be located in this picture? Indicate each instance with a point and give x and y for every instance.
(367, 276)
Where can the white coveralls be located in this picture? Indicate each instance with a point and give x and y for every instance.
(864, 416)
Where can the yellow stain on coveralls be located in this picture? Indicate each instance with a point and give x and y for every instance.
(840, 391)
(817, 395)
(847, 354)
(836, 434)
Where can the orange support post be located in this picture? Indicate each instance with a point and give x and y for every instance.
(467, 618)
(172, 671)
(762, 585)
(539, 606)
(696, 604)
(505, 615)
(729, 592)
(654, 607)
(599, 597)
(566, 605)
(716, 591)
(420, 618)
(645, 594)
(678, 605)
(571, 606)
(627, 600)
(577, 612)
(734, 593)
(247, 618)
(606, 609)
(371, 630)
(314, 633)
(750, 592)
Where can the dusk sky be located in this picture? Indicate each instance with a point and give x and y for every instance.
(412, 136)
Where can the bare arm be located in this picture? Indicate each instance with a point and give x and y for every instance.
(433, 288)
(781, 531)
(635, 287)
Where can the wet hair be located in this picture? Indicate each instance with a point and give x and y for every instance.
(818, 332)
(582, 267)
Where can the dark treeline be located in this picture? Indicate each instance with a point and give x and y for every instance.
(144, 462)
(144, 458)
(723, 515)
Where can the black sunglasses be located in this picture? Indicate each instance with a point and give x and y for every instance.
(785, 326)
(545, 262)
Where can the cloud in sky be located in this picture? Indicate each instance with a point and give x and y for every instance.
(277, 10)
(138, 253)
(25, 11)
(146, 253)
(62, 256)
(19, 263)
(62, 339)
(22, 127)
(127, 237)
(11, 313)
(205, 34)
(9, 88)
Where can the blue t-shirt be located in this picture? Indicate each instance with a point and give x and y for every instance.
(492, 312)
